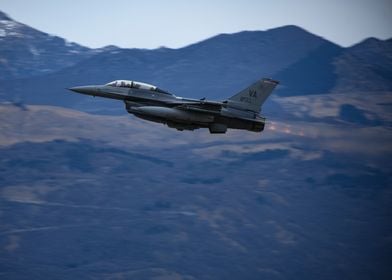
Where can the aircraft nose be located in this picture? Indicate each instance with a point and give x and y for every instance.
(84, 89)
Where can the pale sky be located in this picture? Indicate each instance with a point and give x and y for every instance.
(177, 23)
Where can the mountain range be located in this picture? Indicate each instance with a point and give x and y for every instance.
(90, 192)
(36, 68)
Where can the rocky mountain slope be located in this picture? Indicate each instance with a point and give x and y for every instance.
(27, 52)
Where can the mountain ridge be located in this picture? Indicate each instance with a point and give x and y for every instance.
(4, 16)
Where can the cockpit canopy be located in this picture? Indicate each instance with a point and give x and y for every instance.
(136, 85)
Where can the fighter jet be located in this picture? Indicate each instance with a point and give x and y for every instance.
(241, 111)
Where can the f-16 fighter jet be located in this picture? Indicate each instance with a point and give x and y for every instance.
(241, 111)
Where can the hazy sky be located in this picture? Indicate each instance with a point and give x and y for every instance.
(176, 23)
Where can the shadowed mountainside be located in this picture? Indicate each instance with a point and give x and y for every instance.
(108, 197)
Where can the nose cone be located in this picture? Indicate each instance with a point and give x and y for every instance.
(90, 90)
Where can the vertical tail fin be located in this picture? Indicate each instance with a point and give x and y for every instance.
(254, 96)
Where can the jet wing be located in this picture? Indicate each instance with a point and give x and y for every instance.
(203, 106)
